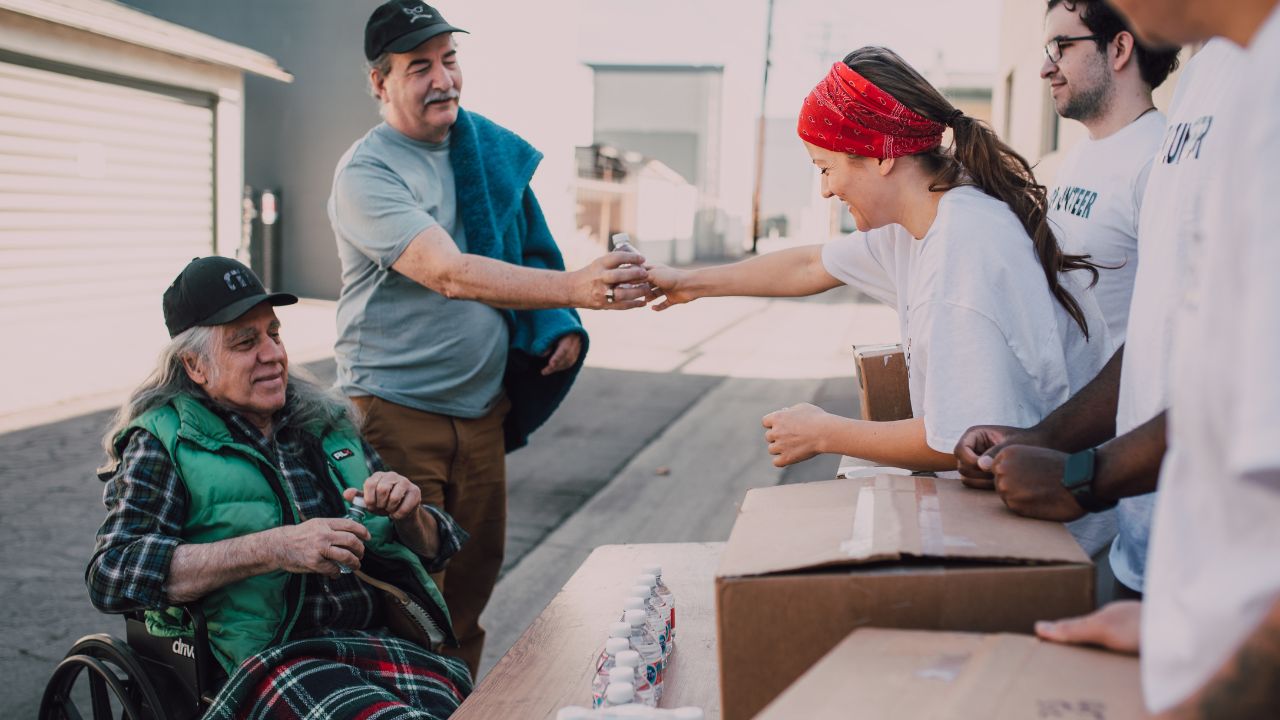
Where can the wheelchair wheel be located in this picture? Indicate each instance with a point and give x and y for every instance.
(117, 686)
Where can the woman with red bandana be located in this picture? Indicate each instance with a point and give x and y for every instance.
(999, 325)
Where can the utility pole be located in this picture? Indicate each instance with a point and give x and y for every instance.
(760, 130)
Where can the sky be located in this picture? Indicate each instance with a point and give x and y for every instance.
(808, 35)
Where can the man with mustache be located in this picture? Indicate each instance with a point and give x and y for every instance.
(456, 333)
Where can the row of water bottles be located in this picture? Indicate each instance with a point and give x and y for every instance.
(631, 669)
(629, 712)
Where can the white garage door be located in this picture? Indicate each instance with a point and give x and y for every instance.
(105, 192)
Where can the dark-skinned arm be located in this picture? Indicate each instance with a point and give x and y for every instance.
(1130, 464)
(1029, 479)
(1086, 420)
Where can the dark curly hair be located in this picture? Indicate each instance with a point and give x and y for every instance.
(1154, 63)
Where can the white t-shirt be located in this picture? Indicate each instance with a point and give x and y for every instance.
(1214, 568)
(1094, 206)
(1171, 210)
(985, 340)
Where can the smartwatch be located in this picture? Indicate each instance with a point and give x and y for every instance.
(1077, 478)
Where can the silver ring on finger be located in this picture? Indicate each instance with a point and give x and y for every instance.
(608, 294)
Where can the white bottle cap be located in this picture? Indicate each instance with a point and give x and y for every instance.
(654, 570)
(620, 693)
(620, 630)
(643, 591)
(573, 712)
(620, 238)
(358, 501)
(621, 674)
(647, 579)
(687, 713)
(635, 617)
(615, 645)
(633, 602)
(628, 658)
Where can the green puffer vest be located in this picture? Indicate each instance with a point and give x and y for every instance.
(232, 490)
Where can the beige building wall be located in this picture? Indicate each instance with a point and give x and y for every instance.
(1023, 112)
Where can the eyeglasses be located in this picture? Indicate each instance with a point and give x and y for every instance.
(1053, 48)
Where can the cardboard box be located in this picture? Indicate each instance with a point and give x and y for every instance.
(807, 564)
(894, 674)
(882, 382)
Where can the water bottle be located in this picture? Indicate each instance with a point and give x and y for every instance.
(356, 511)
(630, 659)
(618, 693)
(643, 642)
(622, 242)
(668, 599)
(629, 712)
(657, 616)
(605, 662)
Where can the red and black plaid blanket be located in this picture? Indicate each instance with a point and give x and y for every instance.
(347, 676)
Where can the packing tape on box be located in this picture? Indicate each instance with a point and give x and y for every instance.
(862, 542)
(933, 542)
(872, 518)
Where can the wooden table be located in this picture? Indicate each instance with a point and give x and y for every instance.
(552, 664)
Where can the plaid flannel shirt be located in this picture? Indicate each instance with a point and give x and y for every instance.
(146, 508)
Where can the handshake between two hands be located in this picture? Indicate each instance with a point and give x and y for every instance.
(623, 280)
(619, 280)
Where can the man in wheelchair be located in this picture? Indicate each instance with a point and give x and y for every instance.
(227, 485)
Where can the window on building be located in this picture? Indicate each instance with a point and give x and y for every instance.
(1007, 127)
(1048, 124)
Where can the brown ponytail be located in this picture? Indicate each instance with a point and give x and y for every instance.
(978, 157)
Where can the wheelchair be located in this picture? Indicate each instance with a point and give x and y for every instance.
(142, 678)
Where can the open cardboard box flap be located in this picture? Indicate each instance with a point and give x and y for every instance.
(852, 522)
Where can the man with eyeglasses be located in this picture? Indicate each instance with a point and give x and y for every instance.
(1100, 75)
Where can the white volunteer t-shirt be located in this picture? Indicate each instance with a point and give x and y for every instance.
(1171, 210)
(1094, 206)
(985, 340)
(1214, 568)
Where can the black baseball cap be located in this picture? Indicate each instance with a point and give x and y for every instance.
(212, 291)
(402, 25)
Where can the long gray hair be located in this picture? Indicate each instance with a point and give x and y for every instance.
(311, 404)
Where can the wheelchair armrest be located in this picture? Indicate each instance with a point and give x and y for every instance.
(208, 674)
(206, 671)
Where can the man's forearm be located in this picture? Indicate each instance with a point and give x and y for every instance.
(1247, 686)
(899, 443)
(198, 569)
(503, 285)
(1088, 419)
(1129, 465)
(434, 261)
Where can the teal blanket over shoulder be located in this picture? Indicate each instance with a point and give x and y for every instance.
(492, 167)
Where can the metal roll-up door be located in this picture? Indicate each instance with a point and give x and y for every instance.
(106, 191)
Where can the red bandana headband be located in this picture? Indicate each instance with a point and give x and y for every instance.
(847, 113)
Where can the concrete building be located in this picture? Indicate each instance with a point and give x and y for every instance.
(672, 114)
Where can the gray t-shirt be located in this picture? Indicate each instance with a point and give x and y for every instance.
(398, 340)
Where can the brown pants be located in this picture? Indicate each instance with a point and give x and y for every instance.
(460, 466)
